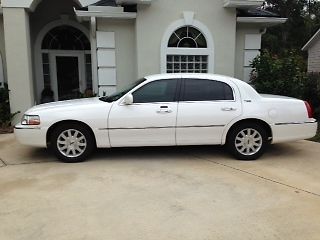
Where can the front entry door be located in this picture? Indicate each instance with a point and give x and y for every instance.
(67, 77)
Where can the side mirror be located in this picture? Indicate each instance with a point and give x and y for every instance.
(128, 99)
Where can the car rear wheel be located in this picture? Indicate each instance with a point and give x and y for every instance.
(72, 143)
(247, 141)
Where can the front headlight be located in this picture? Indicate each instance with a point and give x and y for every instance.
(30, 120)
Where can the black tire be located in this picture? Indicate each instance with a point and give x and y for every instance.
(239, 148)
(81, 143)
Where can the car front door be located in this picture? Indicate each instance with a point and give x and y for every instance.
(150, 120)
(205, 108)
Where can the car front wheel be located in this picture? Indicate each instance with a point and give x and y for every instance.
(247, 141)
(72, 143)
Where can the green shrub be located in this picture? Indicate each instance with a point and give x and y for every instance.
(5, 113)
(286, 75)
(281, 75)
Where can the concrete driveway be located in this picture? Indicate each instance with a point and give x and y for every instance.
(160, 193)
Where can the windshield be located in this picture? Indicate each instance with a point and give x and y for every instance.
(121, 93)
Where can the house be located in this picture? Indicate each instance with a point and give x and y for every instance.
(313, 48)
(72, 46)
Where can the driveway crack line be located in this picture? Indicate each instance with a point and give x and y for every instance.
(3, 162)
(28, 163)
(261, 177)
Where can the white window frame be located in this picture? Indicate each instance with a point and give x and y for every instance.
(80, 55)
(188, 20)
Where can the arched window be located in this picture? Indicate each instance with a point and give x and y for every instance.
(187, 37)
(65, 38)
(187, 51)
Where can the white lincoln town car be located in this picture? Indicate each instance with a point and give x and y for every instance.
(169, 110)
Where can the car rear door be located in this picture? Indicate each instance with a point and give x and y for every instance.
(150, 120)
(206, 106)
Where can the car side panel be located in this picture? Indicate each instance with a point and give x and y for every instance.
(204, 122)
(142, 125)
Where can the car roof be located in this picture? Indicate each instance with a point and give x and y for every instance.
(246, 90)
(187, 75)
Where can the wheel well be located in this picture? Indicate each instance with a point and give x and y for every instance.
(262, 123)
(51, 129)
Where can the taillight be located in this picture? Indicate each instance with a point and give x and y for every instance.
(309, 109)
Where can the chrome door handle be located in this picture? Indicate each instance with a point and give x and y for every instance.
(228, 109)
(164, 109)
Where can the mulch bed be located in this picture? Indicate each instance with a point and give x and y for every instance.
(6, 130)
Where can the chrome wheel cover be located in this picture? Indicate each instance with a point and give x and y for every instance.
(248, 142)
(71, 143)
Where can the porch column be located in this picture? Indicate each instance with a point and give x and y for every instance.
(19, 60)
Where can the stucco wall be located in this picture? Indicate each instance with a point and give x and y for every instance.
(18, 57)
(152, 22)
(2, 48)
(242, 30)
(125, 49)
(314, 57)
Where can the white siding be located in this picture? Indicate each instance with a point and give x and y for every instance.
(314, 57)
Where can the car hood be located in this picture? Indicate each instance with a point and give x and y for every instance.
(65, 105)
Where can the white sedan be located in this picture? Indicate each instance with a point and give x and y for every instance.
(169, 110)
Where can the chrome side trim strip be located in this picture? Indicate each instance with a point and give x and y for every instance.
(296, 123)
(209, 126)
(28, 128)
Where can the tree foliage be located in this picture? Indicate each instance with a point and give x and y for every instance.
(303, 21)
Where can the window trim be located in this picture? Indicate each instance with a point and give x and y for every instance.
(176, 94)
(205, 101)
(188, 37)
(38, 51)
(165, 50)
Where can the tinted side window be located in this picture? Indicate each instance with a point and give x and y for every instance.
(206, 90)
(157, 91)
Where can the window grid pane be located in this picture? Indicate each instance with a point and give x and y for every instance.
(187, 64)
(46, 70)
(187, 37)
(88, 71)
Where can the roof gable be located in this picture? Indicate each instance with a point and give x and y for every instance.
(312, 40)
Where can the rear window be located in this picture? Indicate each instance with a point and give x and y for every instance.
(206, 90)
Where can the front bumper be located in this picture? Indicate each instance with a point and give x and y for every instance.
(283, 132)
(31, 135)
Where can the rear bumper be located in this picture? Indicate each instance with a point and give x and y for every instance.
(283, 132)
(31, 135)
